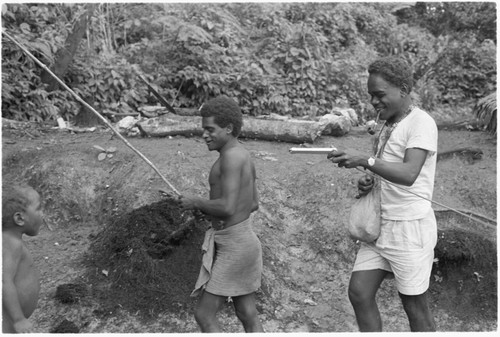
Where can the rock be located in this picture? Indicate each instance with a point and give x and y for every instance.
(334, 125)
(346, 112)
(127, 123)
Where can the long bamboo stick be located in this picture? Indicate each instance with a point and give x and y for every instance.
(326, 150)
(108, 124)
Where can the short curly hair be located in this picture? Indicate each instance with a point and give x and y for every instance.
(395, 70)
(15, 198)
(225, 111)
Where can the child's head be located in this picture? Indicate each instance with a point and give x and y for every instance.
(21, 209)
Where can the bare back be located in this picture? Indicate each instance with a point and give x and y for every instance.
(232, 177)
(20, 276)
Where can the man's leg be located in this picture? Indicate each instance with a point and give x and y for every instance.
(362, 290)
(206, 311)
(246, 311)
(418, 312)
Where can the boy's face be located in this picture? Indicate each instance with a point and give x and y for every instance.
(33, 215)
(215, 136)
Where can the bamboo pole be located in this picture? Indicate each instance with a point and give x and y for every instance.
(471, 215)
(108, 124)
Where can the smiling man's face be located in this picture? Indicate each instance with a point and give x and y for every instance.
(386, 98)
(215, 137)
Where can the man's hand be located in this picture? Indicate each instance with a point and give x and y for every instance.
(183, 202)
(23, 326)
(347, 158)
(166, 194)
(187, 203)
(365, 185)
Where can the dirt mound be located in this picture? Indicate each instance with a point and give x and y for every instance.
(148, 260)
(465, 273)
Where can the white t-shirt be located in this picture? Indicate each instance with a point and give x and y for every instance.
(417, 130)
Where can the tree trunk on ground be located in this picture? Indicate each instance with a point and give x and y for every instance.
(460, 125)
(470, 154)
(168, 125)
(65, 55)
(291, 131)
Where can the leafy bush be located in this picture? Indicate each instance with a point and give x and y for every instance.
(23, 94)
(467, 70)
(108, 83)
(300, 59)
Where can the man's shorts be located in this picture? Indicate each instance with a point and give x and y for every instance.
(405, 248)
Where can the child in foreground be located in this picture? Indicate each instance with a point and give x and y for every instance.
(21, 214)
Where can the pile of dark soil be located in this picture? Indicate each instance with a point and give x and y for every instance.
(465, 271)
(147, 261)
(71, 292)
(65, 327)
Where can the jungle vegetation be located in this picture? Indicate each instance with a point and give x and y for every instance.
(298, 59)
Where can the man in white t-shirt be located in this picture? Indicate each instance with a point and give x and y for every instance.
(406, 147)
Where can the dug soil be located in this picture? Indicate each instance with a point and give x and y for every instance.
(117, 256)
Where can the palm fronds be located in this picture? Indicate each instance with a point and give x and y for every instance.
(486, 111)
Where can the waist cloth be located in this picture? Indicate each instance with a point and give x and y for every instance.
(231, 262)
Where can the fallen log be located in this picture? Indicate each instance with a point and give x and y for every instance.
(292, 131)
(470, 154)
(168, 125)
(470, 125)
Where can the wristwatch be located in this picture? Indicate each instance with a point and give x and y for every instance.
(371, 161)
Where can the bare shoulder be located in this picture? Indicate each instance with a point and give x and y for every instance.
(11, 244)
(236, 154)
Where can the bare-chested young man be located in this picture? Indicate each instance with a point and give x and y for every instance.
(232, 264)
(21, 214)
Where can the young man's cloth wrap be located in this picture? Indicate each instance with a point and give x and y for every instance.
(231, 263)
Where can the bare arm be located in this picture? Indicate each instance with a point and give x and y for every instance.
(255, 204)
(11, 257)
(404, 173)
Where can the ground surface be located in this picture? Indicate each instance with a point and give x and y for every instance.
(304, 203)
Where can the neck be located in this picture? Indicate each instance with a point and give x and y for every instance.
(404, 111)
(232, 142)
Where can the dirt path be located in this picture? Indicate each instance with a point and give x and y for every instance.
(304, 201)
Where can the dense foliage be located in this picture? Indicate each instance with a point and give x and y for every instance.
(301, 59)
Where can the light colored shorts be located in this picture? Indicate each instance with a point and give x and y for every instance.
(404, 248)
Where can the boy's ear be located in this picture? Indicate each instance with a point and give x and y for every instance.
(229, 128)
(19, 218)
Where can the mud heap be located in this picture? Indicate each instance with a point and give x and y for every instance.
(147, 261)
(465, 273)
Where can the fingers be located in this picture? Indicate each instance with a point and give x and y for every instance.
(334, 154)
(365, 185)
(361, 194)
(337, 157)
(366, 180)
